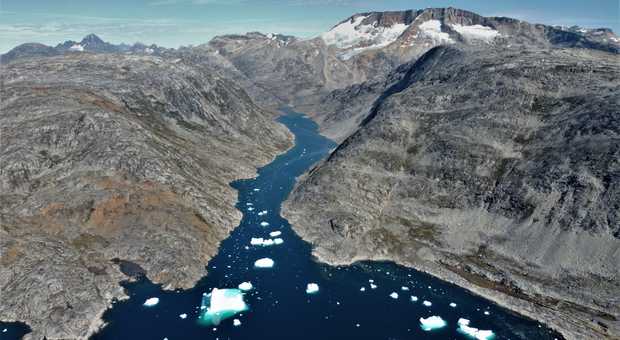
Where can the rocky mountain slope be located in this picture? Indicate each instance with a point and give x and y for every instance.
(497, 169)
(114, 165)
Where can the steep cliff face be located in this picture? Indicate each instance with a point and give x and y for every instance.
(108, 160)
(496, 169)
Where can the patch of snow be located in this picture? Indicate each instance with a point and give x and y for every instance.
(473, 332)
(432, 29)
(150, 302)
(476, 32)
(77, 48)
(432, 322)
(312, 288)
(427, 303)
(245, 286)
(353, 35)
(275, 233)
(394, 295)
(264, 263)
(149, 50)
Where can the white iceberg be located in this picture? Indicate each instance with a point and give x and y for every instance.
(264, 263)
(452, 304)
(221, 304)
(256, 189)
(363, 289)
(432, 322)
(268, 242)
(373, 286)
(473, 332)
(256, 241)
(250, 209)
(264, 224)
(278, 241)
(414, 298)
(312, 288)
(150, 302)
(183, 316)
(275, 233)
(236, 323)
(245, 286)
(404, 288)
(261, 213)
(394, 295)
(486, 312)
(427, 303)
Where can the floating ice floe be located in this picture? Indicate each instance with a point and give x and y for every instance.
(473, 332)
(432, 322)
(452, 304)
(245, 286)
(236, 323)
(256, 189)
(404, 288)
(256, 241)
(363, 289)
(221, 304)
(427, 303)
(312, 288)
(150, 302)
(394, 295)
(414, 298)
(275, 233)
(264, 263)
(373, 286)
(268, 242)
(183, 316)
(249, 203)
(278, 241)
(250, 209)
(486, 312)
(264, 224)
(261, 213)
(5, 330)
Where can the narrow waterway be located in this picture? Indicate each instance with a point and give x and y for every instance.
(367, 300)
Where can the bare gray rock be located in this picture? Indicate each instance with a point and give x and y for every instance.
(113, 167)
(496, 169)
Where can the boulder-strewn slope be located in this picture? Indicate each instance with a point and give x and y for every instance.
(496, 169)
(108, 159)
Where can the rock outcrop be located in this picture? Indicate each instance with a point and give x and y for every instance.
(113, 167)
(497, 169)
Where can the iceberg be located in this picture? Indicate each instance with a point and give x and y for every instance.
(256, 189)
(275, 233)
(431, 323)
(427, 303)
(373, 286)
(473, 332)
(150, 302)
(486, 312)
(264, 224)
(256, 241)
(250, 209)
(268, 242)
(278, 241)
(414, 298)
(183, 316)
(394, 295)
(404, 288)
(452, 304)
(236, 323)
(221, 304)
(261, 213)
(312, 288)
(363, 289)
(264, 263)
(245, 286)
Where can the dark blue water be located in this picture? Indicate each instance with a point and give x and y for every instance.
(279, 305)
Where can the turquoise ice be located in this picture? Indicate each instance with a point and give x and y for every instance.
(221, 304)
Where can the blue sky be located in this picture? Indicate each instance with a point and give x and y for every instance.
(172, 23)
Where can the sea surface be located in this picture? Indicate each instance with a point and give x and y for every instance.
(367, 300)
